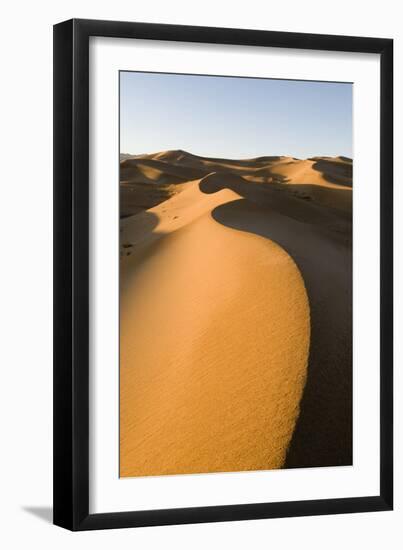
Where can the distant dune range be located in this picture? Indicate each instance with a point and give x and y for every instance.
(235, 322)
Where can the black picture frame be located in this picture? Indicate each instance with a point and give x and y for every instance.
(71, 274)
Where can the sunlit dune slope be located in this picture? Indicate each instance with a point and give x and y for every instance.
(214, 343)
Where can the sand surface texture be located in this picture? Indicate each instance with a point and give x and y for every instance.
(235, 336)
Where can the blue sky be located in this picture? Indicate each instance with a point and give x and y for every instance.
(234, 117)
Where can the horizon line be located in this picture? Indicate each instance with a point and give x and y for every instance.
(179, 150)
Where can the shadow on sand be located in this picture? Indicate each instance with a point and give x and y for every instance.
(335, 172)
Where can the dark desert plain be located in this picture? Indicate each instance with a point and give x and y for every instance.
(235, 313)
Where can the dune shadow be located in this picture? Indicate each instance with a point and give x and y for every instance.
(133, 230)
(138, 197)
(340, 173)
(323, 434)
(336, 199)
(312, 204)
(145, 220)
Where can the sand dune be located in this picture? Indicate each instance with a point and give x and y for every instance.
(214, 345)
(236, 317)
(144, 183)
(148, 180)
(315, 177)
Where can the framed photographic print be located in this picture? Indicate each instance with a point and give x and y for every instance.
(223, 274)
